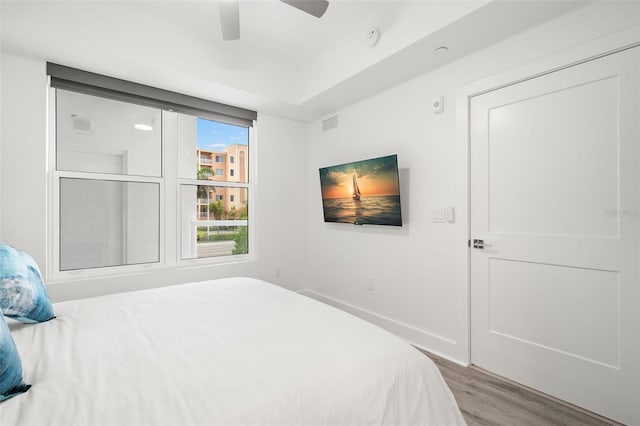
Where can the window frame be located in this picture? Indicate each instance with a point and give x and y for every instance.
(169, 207)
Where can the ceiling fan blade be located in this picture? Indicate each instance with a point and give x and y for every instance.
(229, 19)
(312, 7)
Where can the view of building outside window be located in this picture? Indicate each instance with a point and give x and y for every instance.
(222, 156)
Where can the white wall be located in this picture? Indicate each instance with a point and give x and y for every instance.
(420, 271)
(1, 143)
(280, 193)
(22, 170)
(282, 202)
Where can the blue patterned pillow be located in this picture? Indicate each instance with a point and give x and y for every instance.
(11, 383)
(23, 295)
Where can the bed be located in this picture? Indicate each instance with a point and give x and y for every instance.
(235, 351)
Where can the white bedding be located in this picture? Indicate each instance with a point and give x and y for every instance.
(235, 351)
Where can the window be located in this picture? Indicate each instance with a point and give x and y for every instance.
(205, 160)
(231, 159)
(223, 230)
(113, 172)
(107, 221)
(231, 172)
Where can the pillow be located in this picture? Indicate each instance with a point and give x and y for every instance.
(23, 295)
(11, 383)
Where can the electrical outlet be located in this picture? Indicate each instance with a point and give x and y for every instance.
(371, 284)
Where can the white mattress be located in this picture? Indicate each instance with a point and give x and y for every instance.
(235, 351)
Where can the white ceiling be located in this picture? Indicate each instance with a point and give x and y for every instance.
(286, 63)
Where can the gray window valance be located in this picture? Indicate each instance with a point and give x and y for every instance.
(68, 78)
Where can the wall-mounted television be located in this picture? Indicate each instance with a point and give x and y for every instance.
(364, 192)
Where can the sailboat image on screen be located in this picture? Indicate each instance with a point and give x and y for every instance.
(363, 192)
(356, 190)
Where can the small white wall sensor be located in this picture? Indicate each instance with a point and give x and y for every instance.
(438, 105)
(373, 37)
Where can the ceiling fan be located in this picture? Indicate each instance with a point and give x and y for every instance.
(230, 14)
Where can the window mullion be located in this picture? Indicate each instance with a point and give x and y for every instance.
(213, 183)
(169, 210)
(106, 176)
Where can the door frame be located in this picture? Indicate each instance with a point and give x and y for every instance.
(598, 48)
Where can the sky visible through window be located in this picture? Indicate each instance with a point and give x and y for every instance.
(215, 136)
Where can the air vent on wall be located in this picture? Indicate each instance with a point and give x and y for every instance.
(81, 125)
(330, 123)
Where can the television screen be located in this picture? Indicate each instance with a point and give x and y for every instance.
(363, 193)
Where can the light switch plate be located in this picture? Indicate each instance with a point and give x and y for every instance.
(437, 216)
(449, 214)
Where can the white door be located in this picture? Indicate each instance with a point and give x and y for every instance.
(555, 199)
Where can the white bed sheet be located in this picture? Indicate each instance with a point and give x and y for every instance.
(235, 351)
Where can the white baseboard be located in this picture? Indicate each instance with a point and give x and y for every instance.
(438, 345)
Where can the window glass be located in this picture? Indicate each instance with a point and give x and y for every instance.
(108, 223)
(101, 135)
(214, 221)
(204, 146)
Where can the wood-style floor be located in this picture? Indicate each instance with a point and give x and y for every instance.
(488, 400)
